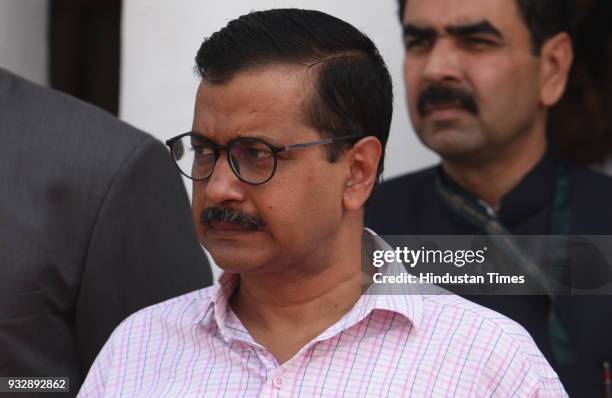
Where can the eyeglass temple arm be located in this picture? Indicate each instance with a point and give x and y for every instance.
(319, 142)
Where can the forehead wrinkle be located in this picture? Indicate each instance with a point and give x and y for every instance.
(254, 113)
(505, 16)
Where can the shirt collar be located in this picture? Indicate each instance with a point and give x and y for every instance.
(218, 312)
(401, 299)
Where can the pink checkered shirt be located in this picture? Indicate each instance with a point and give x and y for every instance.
(386, 346)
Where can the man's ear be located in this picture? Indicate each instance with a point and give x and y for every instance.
(363, 161)
(556, 60)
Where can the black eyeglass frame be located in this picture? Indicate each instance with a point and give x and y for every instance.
(275, 150)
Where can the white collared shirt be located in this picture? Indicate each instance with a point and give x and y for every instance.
(387, 345)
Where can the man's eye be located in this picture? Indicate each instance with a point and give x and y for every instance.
(255, 153)
(417, 43)
(475, 41)
(201, 150)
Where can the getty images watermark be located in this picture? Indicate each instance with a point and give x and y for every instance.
(458, 258)
(490, 264)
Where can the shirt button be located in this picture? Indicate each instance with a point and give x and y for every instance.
(277, 382)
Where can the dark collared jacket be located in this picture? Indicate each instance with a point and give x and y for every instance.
(411, 205)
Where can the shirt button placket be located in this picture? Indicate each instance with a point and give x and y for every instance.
(278, 382)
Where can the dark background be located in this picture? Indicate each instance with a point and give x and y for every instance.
(85, 50)
(582, 121)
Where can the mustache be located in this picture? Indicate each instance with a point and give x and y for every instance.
(231, 216)
(443, 94)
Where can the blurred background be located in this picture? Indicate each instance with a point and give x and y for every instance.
(70, 45)
(134, 58)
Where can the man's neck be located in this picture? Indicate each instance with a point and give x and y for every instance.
(275, 303)
(491, 180)
(284, 312)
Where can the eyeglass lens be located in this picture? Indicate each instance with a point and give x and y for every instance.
(250, 159)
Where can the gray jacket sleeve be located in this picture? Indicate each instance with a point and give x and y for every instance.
(142, 249)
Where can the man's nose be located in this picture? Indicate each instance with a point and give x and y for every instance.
(223, 185)
(443, 62)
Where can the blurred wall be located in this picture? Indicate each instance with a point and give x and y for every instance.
(23, 38)
(160, 39)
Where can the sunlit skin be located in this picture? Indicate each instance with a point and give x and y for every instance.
(484, 48)
(301, 272)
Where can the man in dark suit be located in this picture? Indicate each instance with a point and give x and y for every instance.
(94, 225)
(480, 77)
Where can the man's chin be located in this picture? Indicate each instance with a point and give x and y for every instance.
(235, 259)
(451, 142)
(449, 151)
(234, 264)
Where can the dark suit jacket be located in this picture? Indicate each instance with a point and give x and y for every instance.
(411, 205)
(94, 225)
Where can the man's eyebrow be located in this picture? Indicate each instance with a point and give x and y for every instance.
(417, 31)
(482, 27)
(259, 136)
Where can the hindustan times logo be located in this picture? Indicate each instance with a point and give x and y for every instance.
(412, 258)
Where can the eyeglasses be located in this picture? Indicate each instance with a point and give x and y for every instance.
(252, 160)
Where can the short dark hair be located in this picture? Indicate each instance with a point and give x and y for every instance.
(544, 18)
(352, 91)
